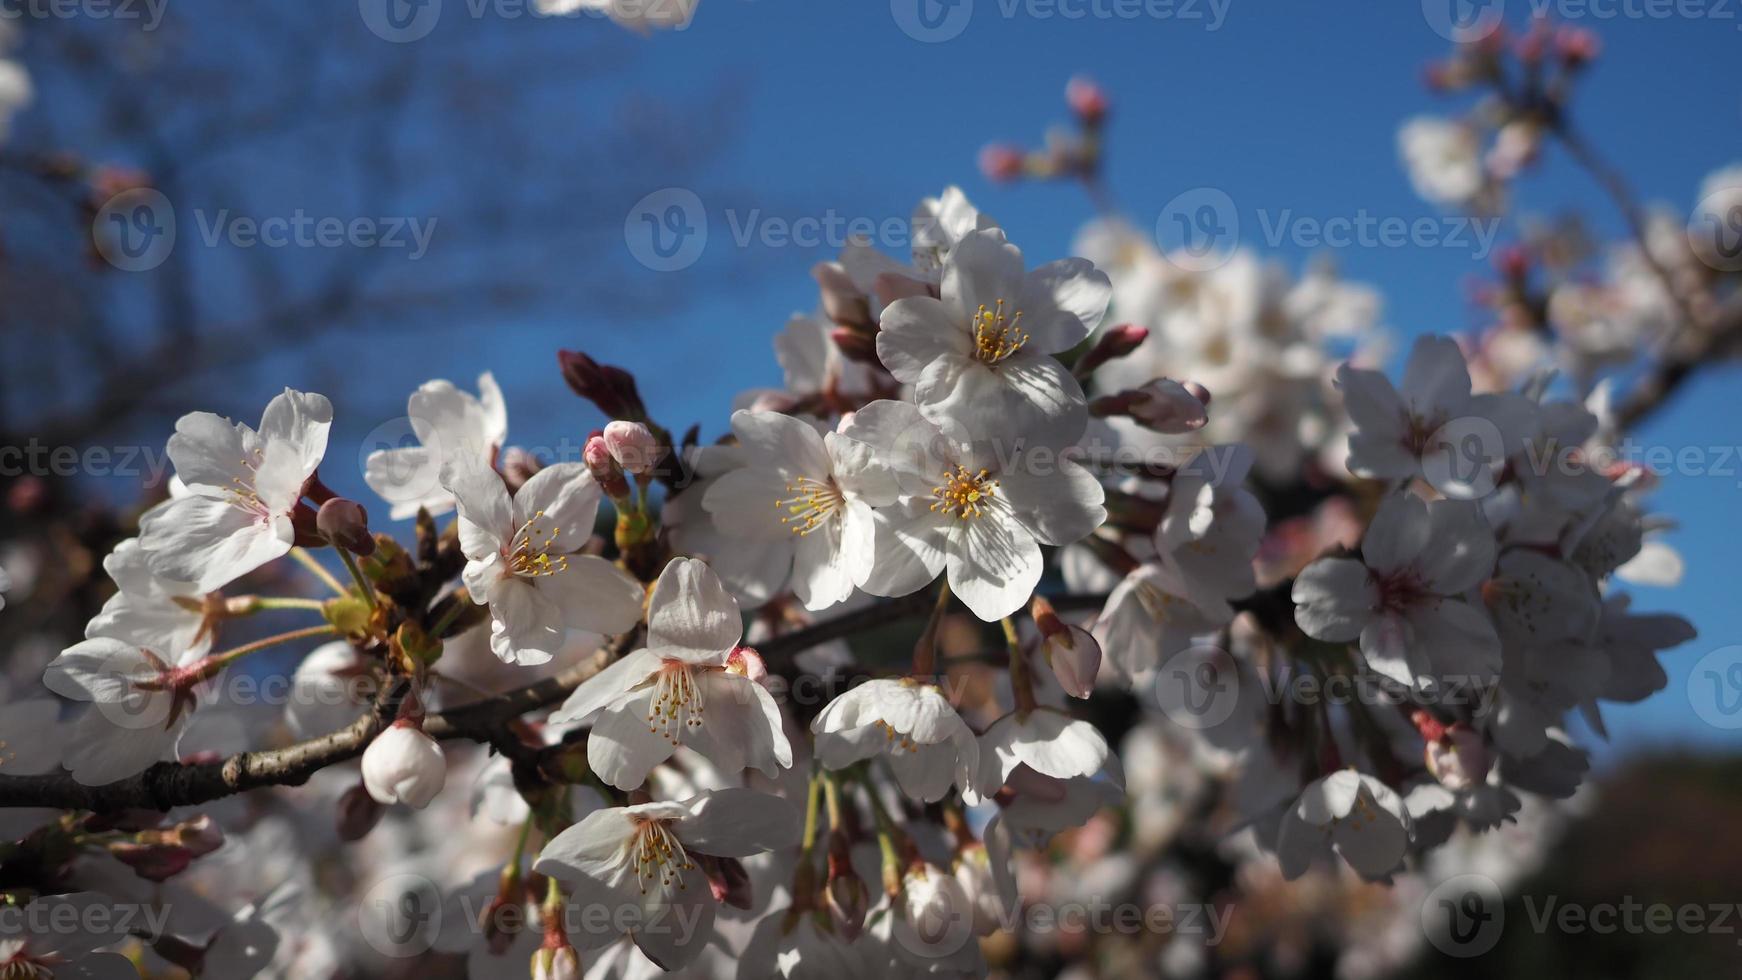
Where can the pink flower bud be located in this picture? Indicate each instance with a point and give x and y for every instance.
(1118, 342)
(1576, 46)
(346, 524)
(855, 345)
(746, 662)
(1001, 163)
(842, 300)
(561, 963)
(605, 469)
(403, 765)
(632, 445)
(1086, 99)
(200, 836)
(1162, 405)
(1075, 658)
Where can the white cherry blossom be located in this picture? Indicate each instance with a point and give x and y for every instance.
(980, 354)
(1356, 815)
(523, 559)
(809, 494)
(453, 428)
(690, 686)
(644, 864)
(928, 745)
(1403, 599)
(243, 487)
(970, 510)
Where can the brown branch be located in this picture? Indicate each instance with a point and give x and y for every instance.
(171, 784)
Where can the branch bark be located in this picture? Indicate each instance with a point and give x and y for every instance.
(167, 785)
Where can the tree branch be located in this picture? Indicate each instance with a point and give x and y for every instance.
(167, 785)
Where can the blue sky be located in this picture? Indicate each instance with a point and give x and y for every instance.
(1283, 105)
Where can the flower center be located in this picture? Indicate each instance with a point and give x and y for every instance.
(1400, 591)
(658, 854)
(964, 494)
(1158, 604)
(812, 502)
(678, 703)
(531, 555)
(17, 964)
(898, 741)
(996, 339)
(242, 492)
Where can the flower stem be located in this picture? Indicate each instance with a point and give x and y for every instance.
(363, 584)
(925, 660)
(230, 656)
(316, 569)
(261, 603)
(1021, 684)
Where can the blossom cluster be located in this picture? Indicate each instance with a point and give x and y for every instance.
(1109, 479)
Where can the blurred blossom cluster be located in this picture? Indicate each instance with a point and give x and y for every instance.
(1112, 613)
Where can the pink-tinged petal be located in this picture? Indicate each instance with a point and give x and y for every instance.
(738, 823)
(690, 616)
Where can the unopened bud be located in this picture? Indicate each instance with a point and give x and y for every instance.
(1513, 262)
(729, 881)
(746, 662)
(518, 466)
(1162, 405)
(1112, 345)
(632, 445)
(856, 345)
(403, 765)
(358, 814)
(1576, 46)
(346, 524)
(612, 389)
(605, 469)
(561, 963)
(153, 862)
(200, 836)
(1086, 99)
(1002, 163)
(842, 300)
(845, 896)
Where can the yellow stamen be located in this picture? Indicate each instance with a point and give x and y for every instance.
(994, 339)
(964, 494)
